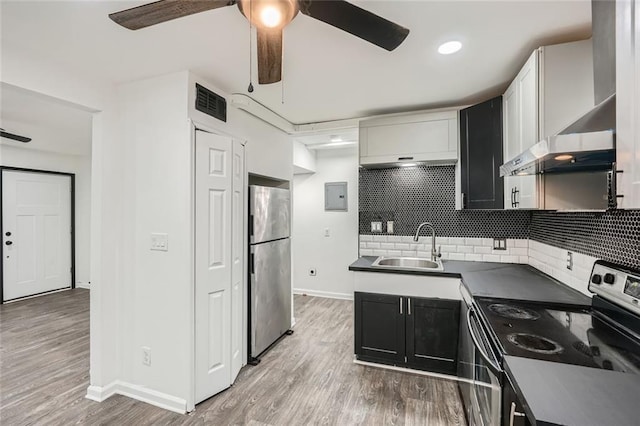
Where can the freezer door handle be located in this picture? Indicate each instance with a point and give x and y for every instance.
(251, 225)
(252, 264)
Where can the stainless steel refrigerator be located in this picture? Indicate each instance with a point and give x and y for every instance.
(269, 266)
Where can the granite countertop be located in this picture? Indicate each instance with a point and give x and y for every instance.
(564, 394)
(493, 280)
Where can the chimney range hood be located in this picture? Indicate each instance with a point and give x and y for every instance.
(589, 142)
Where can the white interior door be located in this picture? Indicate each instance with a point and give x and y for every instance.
(213, 263)
(36, 226)
(238, 255)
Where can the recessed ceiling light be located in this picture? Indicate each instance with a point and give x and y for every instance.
(408, 164)
(335, 139)
(449, 47)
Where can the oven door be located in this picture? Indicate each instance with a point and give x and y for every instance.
(486, 390)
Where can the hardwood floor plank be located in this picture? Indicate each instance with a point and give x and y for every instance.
(307, 378)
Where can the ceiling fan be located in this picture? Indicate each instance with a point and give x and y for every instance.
(270, 17)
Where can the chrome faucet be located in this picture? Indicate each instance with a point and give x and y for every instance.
(435, 254)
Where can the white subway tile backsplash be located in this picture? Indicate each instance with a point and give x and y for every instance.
(509, 259)
(473, 257)
(402, 246)
(456, 256)
(464, 249)
(482, 250)
(448, 249)
(473, 241)
(394, 253)
(518, 251)
(523, 259)
(522, 243)
(490, 258)
(373, 245)
(366, 252)
(408, 253)
(442, 240)
(387, 246)
(366, 238)
(456, 241)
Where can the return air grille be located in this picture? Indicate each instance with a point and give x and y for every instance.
(211, 103)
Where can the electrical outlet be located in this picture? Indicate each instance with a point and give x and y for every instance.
(159, 242)
(570, 261)
(146, 356)
(389, 227)
(312, 272)
(376, 226)
(499, 243)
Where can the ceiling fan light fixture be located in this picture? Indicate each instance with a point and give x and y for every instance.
(269, 14)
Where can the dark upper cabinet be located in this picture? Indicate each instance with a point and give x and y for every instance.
(481, 155)
(407, 331)
(379, 327)
(432, 334)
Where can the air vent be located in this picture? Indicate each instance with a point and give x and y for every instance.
(211, 103)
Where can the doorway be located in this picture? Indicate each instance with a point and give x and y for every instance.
(38, 247)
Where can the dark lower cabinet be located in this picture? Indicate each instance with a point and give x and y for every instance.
(407, 331)
(432, 328)
(379, 328)
(512, 410)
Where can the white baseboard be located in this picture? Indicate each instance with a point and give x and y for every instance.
(141, 393)
(82, 284)
(100, 393)
(327, 294)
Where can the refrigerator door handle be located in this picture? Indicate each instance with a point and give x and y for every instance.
(252, 264)
(251, 225)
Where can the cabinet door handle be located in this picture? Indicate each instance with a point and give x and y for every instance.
(409, 305)
(401, 306)
(513, 414)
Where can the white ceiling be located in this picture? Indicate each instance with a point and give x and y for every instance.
(328, 74)
(53, 126)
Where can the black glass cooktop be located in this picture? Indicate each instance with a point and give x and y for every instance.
(568, 336)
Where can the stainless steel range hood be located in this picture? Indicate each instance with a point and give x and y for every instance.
(589, 142)
(586, 144)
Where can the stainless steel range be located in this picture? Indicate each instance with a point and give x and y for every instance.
(604, 335)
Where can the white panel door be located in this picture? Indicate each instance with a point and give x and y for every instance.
(36, 226)
(237, 259)
(213, 263)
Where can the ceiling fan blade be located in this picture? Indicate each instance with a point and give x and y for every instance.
(269, 56)
(356, 21)
(162, 11)
(14, 136)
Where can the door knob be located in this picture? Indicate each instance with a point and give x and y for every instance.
(9, 243)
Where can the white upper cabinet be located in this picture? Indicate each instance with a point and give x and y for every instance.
(628, 103)
(425, 137)
(553, 88)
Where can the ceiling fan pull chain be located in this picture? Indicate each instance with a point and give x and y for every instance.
(250, 88)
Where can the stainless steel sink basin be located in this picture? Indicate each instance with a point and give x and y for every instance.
(409, 263)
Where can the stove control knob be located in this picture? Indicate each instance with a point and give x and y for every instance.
(609, 278)
(596, 279)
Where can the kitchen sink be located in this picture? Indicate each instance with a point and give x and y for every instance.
(408, 263)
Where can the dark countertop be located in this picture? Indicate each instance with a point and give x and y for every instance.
(563, 394)
(493, 280)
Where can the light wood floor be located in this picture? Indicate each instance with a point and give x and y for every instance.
(308, 378)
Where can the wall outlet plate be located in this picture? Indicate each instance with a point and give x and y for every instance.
(570, 261)
(376, 226)
(499, 243)
(159, 242)
(389, 227)
(146, 356)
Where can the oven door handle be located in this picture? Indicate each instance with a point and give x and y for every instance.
(492, 364)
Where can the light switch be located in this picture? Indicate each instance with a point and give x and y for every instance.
(327, 233)
(389, 227)
(160, 242)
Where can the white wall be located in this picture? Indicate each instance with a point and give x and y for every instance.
(81, 167)
(304, 159)
(330, 256)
